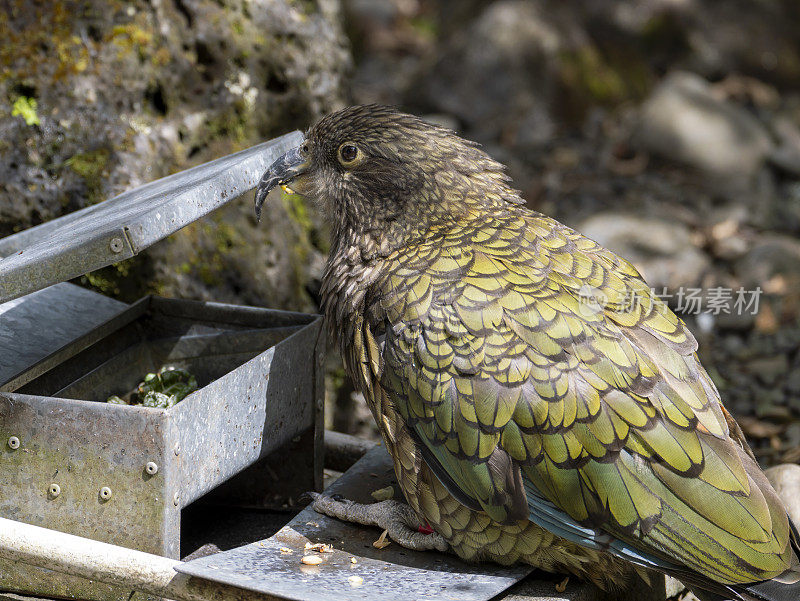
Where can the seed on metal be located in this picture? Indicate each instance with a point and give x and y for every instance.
(312, 560)
(176, 499)
(116, 245)
(55, 490)
(13, 442)
(151, 468)
(105, 493)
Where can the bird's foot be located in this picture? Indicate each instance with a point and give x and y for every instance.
(398, 519)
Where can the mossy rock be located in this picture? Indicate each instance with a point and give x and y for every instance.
(100, 96)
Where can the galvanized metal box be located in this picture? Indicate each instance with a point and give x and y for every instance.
(122, 474)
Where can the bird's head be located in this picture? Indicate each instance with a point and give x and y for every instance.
(377, 171)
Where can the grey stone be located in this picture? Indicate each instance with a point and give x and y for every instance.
(769, 370)
(771, 255)
(793, 382)
(786, 155)
(682, 120)
(785, 479)
(661, 250)
(495, 75)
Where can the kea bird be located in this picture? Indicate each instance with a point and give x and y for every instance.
(539, 402)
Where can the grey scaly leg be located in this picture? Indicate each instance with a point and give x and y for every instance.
(398, 519)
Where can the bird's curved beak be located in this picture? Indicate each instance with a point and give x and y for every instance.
(280, 173)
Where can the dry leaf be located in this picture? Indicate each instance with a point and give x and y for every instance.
(383, 494)
(756, 428)
(382, 543)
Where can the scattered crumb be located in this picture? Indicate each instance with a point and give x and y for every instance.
(319, 547)
(356, 580)
(313, 524)
(286, 550)
(353, 560)
(311, 560)
(383, 494)
(373, 475)
(562, 586)
(382, 543)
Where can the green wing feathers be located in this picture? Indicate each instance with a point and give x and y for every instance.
(524, 351)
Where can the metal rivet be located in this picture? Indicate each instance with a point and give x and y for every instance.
(151, 468)
(13, 442)
(116, 245)
(176, 499)
(55, 490)
(105, 493)
(177, 449)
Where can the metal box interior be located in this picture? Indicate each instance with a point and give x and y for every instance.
(71, 445)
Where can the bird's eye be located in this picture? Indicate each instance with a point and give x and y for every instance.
(348, 153)
(305, 149)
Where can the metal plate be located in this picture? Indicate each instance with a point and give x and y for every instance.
(123, 226)
(390, 573)
(34, 326)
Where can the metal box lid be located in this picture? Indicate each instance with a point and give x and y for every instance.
(123, 226)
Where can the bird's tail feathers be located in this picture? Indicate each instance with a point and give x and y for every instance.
(784, 587)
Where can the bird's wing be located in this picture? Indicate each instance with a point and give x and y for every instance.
(531, 400)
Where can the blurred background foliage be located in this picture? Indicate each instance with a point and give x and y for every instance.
(668, 130)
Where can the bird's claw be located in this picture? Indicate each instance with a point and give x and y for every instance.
(398, 519)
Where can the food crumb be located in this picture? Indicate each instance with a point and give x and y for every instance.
(311, 560)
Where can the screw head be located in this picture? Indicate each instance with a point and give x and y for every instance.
(54, 490)
(151, 468)
(105, 493)
(13, 443)
(116, 245)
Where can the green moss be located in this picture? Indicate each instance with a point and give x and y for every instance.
(590, 76)
(584, 70)
(26, 108)
(89, 164)
(130, 37)
(48, 45)
(234, 126)
(295, 206)
(425, 26)
(665, 35)
(127, 280)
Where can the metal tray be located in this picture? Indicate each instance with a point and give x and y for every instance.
(122, 474)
